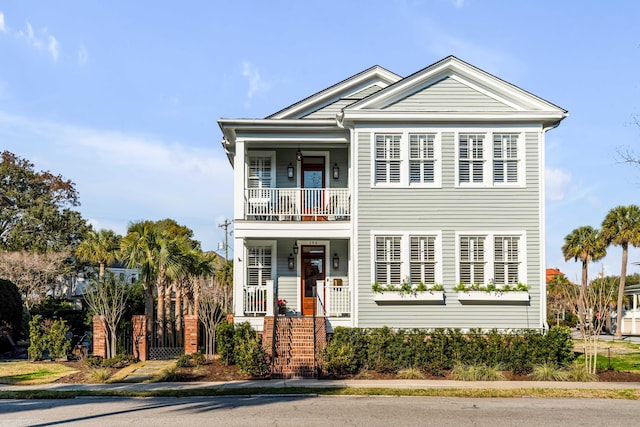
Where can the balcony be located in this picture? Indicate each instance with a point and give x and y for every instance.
(297, 204)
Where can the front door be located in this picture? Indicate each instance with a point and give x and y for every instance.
(313, 269)
(313, 184)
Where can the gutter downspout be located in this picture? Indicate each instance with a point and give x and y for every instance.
(543, 229)
(352, 256)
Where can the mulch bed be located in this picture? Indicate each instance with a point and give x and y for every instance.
(216, 371)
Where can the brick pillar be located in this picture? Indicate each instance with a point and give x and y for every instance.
(99, 337)
(190, 334)
(139, 336)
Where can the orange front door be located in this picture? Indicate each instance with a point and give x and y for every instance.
(313, 269)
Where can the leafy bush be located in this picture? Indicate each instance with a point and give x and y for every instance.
(119, 361)
(476, 373)
(184, 361)
(225, 342)
(436, 351)
(93, 361)
(410, 374)
(11, 307)
(249, 354)
(198, 359)
(48, 337)
(578, 372)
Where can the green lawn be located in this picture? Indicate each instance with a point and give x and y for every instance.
(24, 372)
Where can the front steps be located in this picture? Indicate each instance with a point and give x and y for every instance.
(295, 355)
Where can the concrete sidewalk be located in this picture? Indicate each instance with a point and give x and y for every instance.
(311, 383)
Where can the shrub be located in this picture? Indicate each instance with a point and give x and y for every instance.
(225, 342)
(169, 374)
(548, 372)
(346, 351)
(578, 372)
(249, 354)
(476, 373)
(99, 375)
(11, 307)
(410, 374)
(118, 361)
(93, 361)
(184, 361)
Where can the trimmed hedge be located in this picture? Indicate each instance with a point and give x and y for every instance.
(435, 351)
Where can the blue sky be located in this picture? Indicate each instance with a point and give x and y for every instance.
(122, 97)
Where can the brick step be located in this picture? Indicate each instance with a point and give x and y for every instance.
(295, 355)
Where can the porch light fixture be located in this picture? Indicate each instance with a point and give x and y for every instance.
(290, 171)
(336, 171)
(295, 247)
(290, 262)
(336, 261)
(299, 155)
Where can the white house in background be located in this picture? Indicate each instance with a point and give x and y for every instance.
(430, 181)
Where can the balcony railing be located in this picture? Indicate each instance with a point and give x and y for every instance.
(296, 204)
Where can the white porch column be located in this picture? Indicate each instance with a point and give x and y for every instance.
(635, 312)
(238, 276)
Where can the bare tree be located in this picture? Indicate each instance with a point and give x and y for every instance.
(33, 273)
(213, 305)
(108, 300)
(596, 300)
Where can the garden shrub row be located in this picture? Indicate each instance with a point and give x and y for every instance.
(352, 350)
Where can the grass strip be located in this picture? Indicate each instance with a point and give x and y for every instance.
(627, 394)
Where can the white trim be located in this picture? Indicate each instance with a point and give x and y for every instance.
(489, 253)
(488, 159)
(405, 251)
(496, 297)
(414, 298)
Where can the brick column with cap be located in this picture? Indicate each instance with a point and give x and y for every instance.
(99, 337)
(139, 336)
(190, 334)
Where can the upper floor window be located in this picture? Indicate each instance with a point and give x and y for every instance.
(410, 157)
(422, 158)
(258, 265)
(471, 158)
(505, 158)
(260, 175)
(387, 158)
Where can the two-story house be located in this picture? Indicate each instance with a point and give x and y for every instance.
(433, 183)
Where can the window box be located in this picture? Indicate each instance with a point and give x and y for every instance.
(494, 297)
(397, 297)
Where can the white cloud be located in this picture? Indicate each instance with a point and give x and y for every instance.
(256, 84)
(123, 177)
(53, 47)
(556, 182)
(3, 28)
(83, 55)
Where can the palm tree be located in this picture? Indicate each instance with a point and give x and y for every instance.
(621, 227)
(99, 247)
(584, 244)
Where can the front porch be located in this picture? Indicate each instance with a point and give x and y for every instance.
(332, 301)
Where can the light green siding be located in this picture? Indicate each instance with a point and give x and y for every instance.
(448, 95)
(449, 209)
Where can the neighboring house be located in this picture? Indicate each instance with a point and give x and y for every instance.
(553, 272)
(435, 178)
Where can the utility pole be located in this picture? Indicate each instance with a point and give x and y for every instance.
(225, 226)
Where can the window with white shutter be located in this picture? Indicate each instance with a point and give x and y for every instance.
(472, 259)
(421, 158)
(259, 172)
(505, 158)
(470, 158)
(388, 260)
(258, 265)
(387, 158)
(423, 260)
(506, 263)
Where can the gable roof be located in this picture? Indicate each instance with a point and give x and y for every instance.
(342, 94)
(452, 89)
